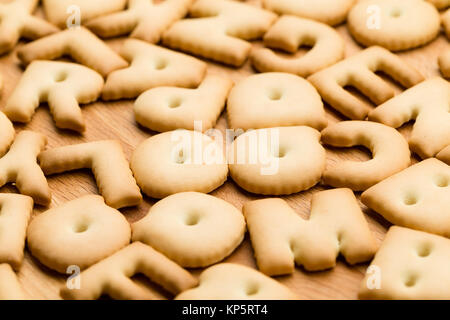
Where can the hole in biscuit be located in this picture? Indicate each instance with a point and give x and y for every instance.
(411, 280)
(160, 64)
(81, 227)
(275, 95)
(174, 103)
(411, 199)
(280, 153)
(192, 219)
(395, 12)
(424, 250)
(60, 77)
(441, 181)
(180, 156)
(252, 289)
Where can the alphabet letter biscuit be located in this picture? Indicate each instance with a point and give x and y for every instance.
(7, 133)
(10, 288)
(144, 19)
(170, 108)
(112, 275)
(417, 197)
(63, 85)
(193, 229)
(358, 71)
(389, 149)
(78, 43)
(281, 239)
(17, 21)
(413, 265)
(152, 66)
(219, 30)
(288, 34)
(274, 99)
(19, 165)
(80, 232)
(108, 163)
(444, 155)
(15, 212)
(428, 104)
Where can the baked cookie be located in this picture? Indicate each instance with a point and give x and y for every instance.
(144, 19)
(281, 238)
(358, 71)
(417, 197)
(398, 25)
(17, 21)
(272, 100)
(80, 232)
(389, 150)
(219, 30)
(20, 166)
(444, 63)
(276, 161)
(108, 164)
(152, 66)
(428, 105)
(169, 108)
(444, 155)
(15, 212)
(410, 265)
(331, 12)
(228, 281)
(78, 43)
(62, 85)
(179, 161)
(288, 34)
(111, 276)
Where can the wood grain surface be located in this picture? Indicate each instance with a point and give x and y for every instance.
(115, 120)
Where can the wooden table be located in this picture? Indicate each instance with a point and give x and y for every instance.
(115, 120)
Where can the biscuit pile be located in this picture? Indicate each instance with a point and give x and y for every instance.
(281, 140)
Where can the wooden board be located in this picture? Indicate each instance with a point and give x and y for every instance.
(115, 120)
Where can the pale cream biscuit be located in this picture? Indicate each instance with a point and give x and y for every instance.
(290, 33)
(78, 43)
(444, 155)
(20, 166)
(274, 99)
(440, 4)
(111, 276)
(152, 66)
(358, 71)
(389, 150)
(80, 232)
(281, 238)
(108, 164)
(144, 19)
(444, 63)
(170, 108)
(10, 288)
(17, 21)
(62, 85)
(228, 281)
(219, 30)
(428, 104)
(276, 161)
(396, 25)
(331, 12)
(409, 265)
(417, 197)
(7, 133)
(179, 161)
(59, 12)
(191, 228)
(15, 212)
